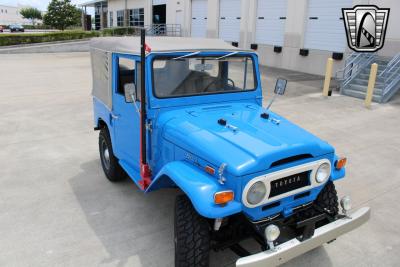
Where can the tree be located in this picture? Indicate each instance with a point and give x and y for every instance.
(31, 13)
(62, 14)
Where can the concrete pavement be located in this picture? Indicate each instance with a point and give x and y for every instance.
(58, 209)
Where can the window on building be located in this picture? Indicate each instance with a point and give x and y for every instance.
(6, 10)
(136, 17)
(111, 19)
(120, 18)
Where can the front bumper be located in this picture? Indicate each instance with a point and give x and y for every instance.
(293, 248)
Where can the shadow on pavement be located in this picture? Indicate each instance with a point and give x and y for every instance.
(136, 229)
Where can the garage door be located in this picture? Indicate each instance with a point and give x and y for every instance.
(325, 29)
(199, 18)
(229, 20)
(270, 25)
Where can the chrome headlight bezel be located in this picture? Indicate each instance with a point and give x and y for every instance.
(258, 191)
(323, 173)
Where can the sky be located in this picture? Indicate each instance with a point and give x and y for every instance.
(40, 4)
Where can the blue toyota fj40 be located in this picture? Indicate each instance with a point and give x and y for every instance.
(187, 113)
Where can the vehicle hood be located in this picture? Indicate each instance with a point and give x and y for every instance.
(252, 147)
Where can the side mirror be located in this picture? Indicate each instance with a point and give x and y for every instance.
(129, 92)
(280, 86)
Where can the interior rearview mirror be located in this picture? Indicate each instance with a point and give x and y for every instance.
(280, 86)
(129, 92)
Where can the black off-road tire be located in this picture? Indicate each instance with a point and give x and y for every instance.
(192, 235)
(328, 199)
(111, 167)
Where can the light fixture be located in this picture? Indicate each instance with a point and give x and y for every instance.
(345, 203)
(323, 173)
(272, 233)
(256, 193)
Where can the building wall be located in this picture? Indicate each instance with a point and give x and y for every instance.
(392, 40)
(117, 5)
(10, 15)
(295, 29)
(294, 33)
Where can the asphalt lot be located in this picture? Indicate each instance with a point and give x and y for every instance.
(58, 209)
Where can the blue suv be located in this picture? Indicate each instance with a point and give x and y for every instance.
(187, 113)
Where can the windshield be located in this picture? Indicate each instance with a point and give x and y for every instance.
(201, 75)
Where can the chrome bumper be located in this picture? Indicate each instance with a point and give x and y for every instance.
(293, 248)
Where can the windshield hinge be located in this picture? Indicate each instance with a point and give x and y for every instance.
(149, 125)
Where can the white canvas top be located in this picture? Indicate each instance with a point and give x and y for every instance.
(131, 45)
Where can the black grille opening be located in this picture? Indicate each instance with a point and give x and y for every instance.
(305, 194)
(270, 206)
(289, 183)
(290, 159)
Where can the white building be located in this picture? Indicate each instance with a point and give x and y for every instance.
(291, 34)
(10, 15)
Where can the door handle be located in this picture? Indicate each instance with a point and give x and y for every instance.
(115, 117)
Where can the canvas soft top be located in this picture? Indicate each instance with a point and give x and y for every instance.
(131, 45)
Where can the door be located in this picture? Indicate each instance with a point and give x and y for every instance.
(270, 23)
(199, 18)
(229, 20)
(325, 28)
(126, 116)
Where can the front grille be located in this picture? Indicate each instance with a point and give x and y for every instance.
(289, 183)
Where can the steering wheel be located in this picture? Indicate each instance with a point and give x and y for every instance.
(211, 83)
(233, 83)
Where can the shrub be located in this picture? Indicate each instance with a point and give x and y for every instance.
(37, 27)
(28, 38)
(120, 31)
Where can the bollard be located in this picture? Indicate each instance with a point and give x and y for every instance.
(328, 76)
(371, 85)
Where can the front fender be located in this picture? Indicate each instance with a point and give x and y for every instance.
(198, 186)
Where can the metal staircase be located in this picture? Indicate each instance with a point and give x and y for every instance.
(353, 78)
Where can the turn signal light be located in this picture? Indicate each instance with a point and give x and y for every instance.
(209, 170)
(340, 163)
(223, 197)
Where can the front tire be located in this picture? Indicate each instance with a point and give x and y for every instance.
(109, 162)
(192, 235)
(328, 199)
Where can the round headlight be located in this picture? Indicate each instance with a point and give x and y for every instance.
(323, 173)
(256, 193)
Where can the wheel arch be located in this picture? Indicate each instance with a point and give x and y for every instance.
(198, 186)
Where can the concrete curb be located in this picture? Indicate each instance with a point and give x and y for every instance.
(81, 45)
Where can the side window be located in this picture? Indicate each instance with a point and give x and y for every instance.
(128, 76)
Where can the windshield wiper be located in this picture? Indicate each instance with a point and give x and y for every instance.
(227, 55)
(188, 55)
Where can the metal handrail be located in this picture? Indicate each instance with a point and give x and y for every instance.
(392, 63)
(154, 29)
(164, 29)
(391, 77)
(354, 66)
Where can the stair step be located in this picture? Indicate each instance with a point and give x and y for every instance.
(368, 70)
(364, 82)
(362, 88)
(361, 95)
(365, 76)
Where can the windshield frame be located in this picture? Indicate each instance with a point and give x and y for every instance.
(211, 55)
